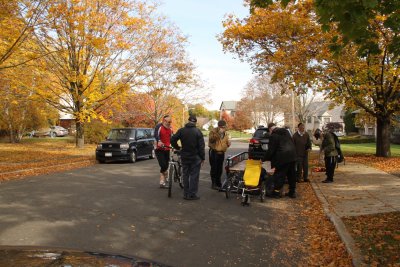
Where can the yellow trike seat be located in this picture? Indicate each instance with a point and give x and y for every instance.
(252, 173)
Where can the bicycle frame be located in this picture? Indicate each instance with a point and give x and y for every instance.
(174, 172)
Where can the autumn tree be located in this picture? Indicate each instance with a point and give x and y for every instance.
(289, 43)
(172, 81)
(21, 109)
(242, 119)
(264, 101)
(96, 50)
(18, 18)
(353, 20)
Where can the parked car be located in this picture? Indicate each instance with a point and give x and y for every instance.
(58, 131)
(53, 131)
(258, 144)
(127, 144)
(41, 132)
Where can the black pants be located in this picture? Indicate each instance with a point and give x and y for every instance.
(289, 170)
(302, 168)
(163, 159)
(330, 165)
(216, 163)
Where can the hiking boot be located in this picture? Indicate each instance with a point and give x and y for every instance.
(327, 181)
(306, 180)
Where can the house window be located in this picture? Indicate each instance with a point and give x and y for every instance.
(327, 120)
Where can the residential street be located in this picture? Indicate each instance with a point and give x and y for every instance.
(118, 208)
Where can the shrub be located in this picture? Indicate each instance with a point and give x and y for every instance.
(356, 139)
(97, 131)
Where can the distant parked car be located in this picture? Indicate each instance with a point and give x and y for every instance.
(42, 132)
(258, 144)
(58, 131)
(53, 131)
(127, 144)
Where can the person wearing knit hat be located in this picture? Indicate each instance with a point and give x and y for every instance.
(218, 142)
(192, 156)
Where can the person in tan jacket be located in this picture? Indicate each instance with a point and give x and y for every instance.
(218, 142)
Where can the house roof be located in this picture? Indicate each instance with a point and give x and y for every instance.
(228, 105)
(321, 107)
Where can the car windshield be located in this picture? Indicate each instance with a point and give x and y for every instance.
(261, 134)
(121, 134)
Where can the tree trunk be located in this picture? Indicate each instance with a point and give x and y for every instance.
(80, 141)
(383, 137)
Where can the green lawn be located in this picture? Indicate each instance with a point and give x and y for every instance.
(367, 148)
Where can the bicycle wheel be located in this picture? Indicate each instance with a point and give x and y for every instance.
(180, 175)
(171, 174)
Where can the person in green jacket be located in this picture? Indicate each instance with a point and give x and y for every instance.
(330, 152)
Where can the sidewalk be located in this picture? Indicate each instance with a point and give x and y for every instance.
(357, 190)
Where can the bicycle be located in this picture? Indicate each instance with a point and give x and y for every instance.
(174, 172)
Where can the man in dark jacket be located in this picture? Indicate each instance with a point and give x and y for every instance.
(282, 154)
(192, 155)
(302, 142)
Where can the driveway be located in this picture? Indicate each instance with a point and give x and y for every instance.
(118, 208)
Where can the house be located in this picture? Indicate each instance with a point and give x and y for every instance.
(322, 112)
(213, 123)
(229, 107)
(364, 124)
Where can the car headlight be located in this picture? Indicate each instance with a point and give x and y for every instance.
(99, 146)
(124, 146)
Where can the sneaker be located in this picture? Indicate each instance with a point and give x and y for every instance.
(327, 181)
(164, 185)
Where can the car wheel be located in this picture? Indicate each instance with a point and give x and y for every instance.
(53, 134)
(133, 157)
(101, 161)
(153, 154)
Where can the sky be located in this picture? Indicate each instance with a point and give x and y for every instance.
(201, 21)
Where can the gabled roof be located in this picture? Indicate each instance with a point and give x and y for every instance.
(319, 108)
(228, 105)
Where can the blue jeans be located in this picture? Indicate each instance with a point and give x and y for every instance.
(191, 173)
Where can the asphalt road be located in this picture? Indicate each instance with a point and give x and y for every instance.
(119, 208)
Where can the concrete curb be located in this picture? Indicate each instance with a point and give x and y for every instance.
(340, 228)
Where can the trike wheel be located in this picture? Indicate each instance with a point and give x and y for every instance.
(263, 191)
(228, 189)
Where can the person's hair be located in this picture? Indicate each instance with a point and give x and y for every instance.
(298, 125)
(165, 116)
(271, 124)
(317, 134)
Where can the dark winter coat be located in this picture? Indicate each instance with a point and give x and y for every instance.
(281, 149)
(192, 142)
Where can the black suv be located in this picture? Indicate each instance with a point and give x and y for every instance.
(258, 144)
(127, 144)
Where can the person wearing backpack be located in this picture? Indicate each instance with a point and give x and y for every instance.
(328, 146)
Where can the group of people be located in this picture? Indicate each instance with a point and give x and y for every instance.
(288, 154)
(192, 147)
